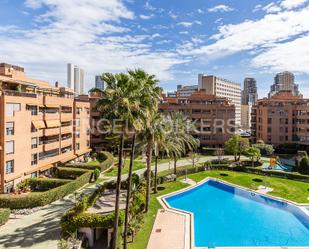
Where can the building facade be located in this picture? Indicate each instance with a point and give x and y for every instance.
(284, 81)
(75, 78)
(99, 83)
(249, 93)
(222, 88)
(214, 117)
(246, 116)
(281, 119)
(41, 126)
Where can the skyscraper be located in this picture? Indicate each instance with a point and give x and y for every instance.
(249, 93)
(284, 81)
(99, 83)
(75, 78)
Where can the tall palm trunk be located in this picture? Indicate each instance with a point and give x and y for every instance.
(118, 185)
(129, 186)
(148, 175)
(175, 167)
(156, 175)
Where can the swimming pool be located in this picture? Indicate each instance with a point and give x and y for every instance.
(225, 215)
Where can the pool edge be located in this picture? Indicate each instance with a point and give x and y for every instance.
(190, 216)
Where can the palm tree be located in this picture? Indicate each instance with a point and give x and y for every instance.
(181, 135)
(120, 102)
(149, 95)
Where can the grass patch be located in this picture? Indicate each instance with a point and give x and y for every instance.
(288, 189)
(94, 163)
(125, 170)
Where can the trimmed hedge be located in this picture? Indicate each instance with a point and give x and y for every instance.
(32, 200)
(44, 184)
(69, 173)
(4, 215)
(108, 161)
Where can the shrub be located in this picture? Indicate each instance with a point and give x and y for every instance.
(4, 215)
(304, 166)
(96, 174)
(108, 160)
(44, 184)
(265, 149)
(40, 199)
(69, 173)
(83, 166)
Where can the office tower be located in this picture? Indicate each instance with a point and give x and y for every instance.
(284, 81)
(281, 119)
(36, 121)
(99, 83)
(249, 93)
(75, 78)
(222, 88)
(214, 117)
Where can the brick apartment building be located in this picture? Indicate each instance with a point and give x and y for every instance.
(41, 126)
(283, 118)
(214, 117)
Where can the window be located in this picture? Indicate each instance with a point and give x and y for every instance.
(11, 108)
(34, 174)
(77, 134)
(34, 143)
(9, 147)
(33, 109)
(9, 167)
(78, 110)
(88, 143)
(34, 159)
(9, 128)
(77, 122)
(77, 146)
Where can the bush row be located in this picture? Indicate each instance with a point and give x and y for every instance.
(106, 161)
(4, 215)
(40, 199)
(69, 173)
(44, 184)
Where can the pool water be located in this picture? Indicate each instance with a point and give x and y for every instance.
(229, 216)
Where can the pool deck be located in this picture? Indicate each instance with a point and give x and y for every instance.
(176, 234)
(170, 231)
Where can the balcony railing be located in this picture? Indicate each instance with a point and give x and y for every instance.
(19, 94)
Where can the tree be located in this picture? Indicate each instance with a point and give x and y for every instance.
(236, 145)
(265, 149)
(219, 152)
(181, 136)
(304, 166)
(254, 154)
(193, 158)
(120, 101)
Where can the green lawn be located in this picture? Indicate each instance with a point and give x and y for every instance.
(288, 189)
(136, 166)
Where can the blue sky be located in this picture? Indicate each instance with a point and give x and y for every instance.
(174, 39)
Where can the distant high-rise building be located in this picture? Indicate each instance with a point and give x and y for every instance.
(75, 78)
(222, 88)
(284, 82)
(99, 83)
(249, 93)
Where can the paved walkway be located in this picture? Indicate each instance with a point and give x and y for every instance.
(40, 230)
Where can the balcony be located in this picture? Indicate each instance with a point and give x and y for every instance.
(48, 154)
(66, 129)
(66, 143)
(52, 131)
(19, 94)
(66, 117)
(51, 145)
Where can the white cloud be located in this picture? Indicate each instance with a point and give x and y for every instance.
(189, 24)
(293, 55)
(272, 28)
(144, 17)
(290, 4)
(200, 11)
(220, 8)
(95, 39)
(172, 15)
(272, 8)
